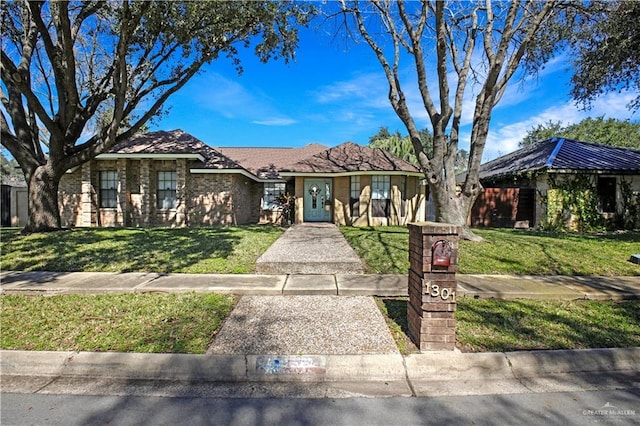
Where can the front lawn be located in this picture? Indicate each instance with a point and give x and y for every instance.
(187, 323)
(506, 251)
(488, 325)
(163, 250)
(154, 322)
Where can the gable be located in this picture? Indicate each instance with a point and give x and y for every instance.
(350, 157)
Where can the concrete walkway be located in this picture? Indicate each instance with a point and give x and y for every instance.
(310, 248)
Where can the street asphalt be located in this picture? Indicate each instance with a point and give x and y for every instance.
(336, 372)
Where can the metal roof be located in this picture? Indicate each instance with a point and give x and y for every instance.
(564, 155)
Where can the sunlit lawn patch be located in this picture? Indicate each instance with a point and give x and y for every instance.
(488, 325)
(175, 323)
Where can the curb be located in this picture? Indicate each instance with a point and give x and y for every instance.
(204, 368)
(425, 367)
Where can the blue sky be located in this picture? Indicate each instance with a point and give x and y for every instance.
(336, 92)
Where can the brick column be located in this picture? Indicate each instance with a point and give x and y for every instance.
(181, 192)
(145, 192)
(432, 285)
(86, 196)
(121, 206)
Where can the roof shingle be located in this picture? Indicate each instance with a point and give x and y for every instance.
(174, 142)
(351, 157)
(267, 163)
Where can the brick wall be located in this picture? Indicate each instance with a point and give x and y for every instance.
(70, 198)
(203, 199)
(432, 288)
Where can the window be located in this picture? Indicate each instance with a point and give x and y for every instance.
(380, 195)
(354, 201)
(607, 194)
(108, 189)
(167, 190)
(272, 190)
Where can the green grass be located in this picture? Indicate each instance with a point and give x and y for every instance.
(186, 323)
(507, 251)
(159, 323)
(163, 250)
(487, 325)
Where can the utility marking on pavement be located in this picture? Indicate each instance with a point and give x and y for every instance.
(291, 364)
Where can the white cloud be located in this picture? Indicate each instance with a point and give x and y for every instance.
(229, 98)
(276, 121)
(368, 90)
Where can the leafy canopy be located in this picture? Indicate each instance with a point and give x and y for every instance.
(607, 48)
(607, 132)
(401, 146)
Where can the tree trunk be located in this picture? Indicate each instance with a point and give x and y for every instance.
(44, 212)
(454, 209)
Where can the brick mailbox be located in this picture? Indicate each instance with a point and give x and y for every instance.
(433, 258)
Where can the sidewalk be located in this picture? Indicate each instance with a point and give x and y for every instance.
(477, 286)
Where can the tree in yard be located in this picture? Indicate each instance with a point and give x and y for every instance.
(401, 147)
(456, 50)
(80, 77)
(607, 132)
(607, 50)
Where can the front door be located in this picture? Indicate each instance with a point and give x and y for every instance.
(317, 200)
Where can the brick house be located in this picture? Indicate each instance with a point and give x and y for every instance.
(518, 186)
(173, 179)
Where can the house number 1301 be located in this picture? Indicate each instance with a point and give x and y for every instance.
(444, 293)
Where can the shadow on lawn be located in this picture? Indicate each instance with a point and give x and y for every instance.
(500, 325)
(124, 250)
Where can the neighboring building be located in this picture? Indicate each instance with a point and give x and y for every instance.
(172, 178)
(13, 201)
(518, 185)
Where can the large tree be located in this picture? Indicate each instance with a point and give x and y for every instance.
(607, 132)
(607, 52)
(79, 77)
(457, 50)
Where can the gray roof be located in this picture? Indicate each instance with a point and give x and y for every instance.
(563, 155)
(16, 181)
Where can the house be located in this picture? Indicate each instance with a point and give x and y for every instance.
(523, 188)
(173, 179)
